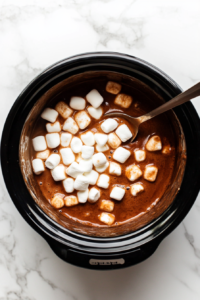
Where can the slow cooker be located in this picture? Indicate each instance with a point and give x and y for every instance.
(96, 252)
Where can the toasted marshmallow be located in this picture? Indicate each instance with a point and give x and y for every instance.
(65, 139)
(52, 161)
(102, 168)
(43, 155)
(133, 172)
(113, 140)
(115, 169)
(140, 155)
(150, 173)
(86, 165)
(38, 166)
(107, 218)
(77, 103)
(92, 177)
(67, 155)
(109, 125)
(81, 183)
(154, 143)
(58, 173)
(113, 87)
(70, 126)
(166, 149)
(57, 202)
(68, 185)
(64, 110)
(82, 196)
(136, 188)
(107, 205)
(82, 118)
(76, 145)
(101, 138)
(117, 193)
(121, 154)
(49, 114)
(87, 151)
(88, 138)
(94, 195)
(70, 200)
(74, 170)
(95, 113)
(123, 100)
(102, 148)
(94, 98)
(39, 143)
(103, 181)
(55, 127)
(53, 140)
(99, 159)
(124, 133)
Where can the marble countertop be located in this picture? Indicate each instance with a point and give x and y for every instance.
(33, 35)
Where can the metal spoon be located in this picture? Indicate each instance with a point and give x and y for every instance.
(189, 94)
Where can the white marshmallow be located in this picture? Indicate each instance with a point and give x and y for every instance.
(87, 151)
(94, 98)
(70, 200)
(113, 87)
(109, 125)
(81, 183)
(70, 126)
(136, 188)
(166, 149)
(95, 113)
(92, 177)
(117, 193)
(55, 127)
(124, 133)
(121, 154)
(115, 169)
(107, 218)
(102, 148)
(49, 114)
(52, 161)
(113, 140)
(99, 159)
(94, 195)
(57, 202)
(68, 185)
(65, 139)
(82, 196)
(102, 168)
(88, 138)
(150, 173)
(86, 165)
(133, 172)
(140, 155)
(154, 143)
(53, 140)
(82, 118)
(103, 181)
(67, 155)
(39, 143)
(76, 145)
(101, 138)
(43, 155)
(38, 166)
(63, 109)
(74, 170)
(123, 100)
(77, 103)
(107, 205)
(58, 173)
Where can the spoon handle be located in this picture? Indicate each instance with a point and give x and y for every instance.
(189, 94)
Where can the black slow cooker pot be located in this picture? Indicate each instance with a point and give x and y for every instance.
(88, 251)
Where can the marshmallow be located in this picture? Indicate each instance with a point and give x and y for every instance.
(117, 193)
(109, 125)
(154, 143)
(107, 205)
(107, 218)
(38, 166)
(94, 195)
(136, 188)
(115, 169)
(94, 98)
(140, 155)
(101, 138)
(58, 173)
(68, 185)
(74, 170)
(99, 159)
(39, 143)
(121, 154)
(67, 156)
(53, 140)
(87, 152)
(95, 113)
(63, 109)
(70, 200)
(57, 202)
(55, 127)
(76, 145)
(133, 172)
(49, 114)
(166, 150)
(77, 103)
(113, 140)
(113, 87)
(86, 165)
(92, 177)
(43, 155)
(65, 139)
(82, 118)
(124, 133)
(70, 126)
(52, 161)
(81, 183)
(88, 138)
(123, 100)
(102, 168)
(102, 148)
(103, 181)
(150, 173)
(82, 196)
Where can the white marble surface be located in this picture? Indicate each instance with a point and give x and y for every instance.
(37, 33)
